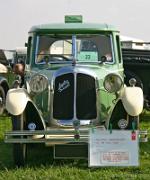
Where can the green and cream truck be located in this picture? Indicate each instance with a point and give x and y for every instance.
(73, 80)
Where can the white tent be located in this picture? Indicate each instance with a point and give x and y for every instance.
(133, 43)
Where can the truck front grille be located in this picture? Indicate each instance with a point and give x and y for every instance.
(74, 97)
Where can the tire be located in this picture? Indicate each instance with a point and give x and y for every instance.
(3, 99)
(19, 149)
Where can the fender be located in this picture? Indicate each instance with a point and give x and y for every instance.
(16, 101)
(3, 68)
(132, 99)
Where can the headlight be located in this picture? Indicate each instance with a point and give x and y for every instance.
(38, 83)
(113, 83)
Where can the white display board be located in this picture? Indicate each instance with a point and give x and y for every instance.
(116, 148)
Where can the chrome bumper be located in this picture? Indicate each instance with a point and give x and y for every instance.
(49, 136)
(55, 136)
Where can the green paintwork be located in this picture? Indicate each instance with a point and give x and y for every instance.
(73, 27)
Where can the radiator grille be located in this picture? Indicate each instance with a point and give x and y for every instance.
(64, 93)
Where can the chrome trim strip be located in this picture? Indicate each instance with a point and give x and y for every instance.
(51, 121)
(97, 101)
(37, 46)
(49, 98)
(50, 131)
(50, 141)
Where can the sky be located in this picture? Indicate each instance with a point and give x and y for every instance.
(131, 17)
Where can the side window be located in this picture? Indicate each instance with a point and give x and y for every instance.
(29, 50)
(118, 48)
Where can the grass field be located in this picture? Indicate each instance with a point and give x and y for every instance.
(40, 165)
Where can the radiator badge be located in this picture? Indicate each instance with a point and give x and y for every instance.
(63, 86)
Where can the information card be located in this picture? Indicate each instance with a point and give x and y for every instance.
(116, 148)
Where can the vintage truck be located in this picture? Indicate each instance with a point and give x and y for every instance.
(73, 81)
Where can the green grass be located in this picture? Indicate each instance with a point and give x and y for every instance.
(40, 166)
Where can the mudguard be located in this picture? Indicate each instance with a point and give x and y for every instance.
(132, 99)
(3, 68)
(16, 100)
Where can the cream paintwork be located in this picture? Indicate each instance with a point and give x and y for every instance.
(132, 99)
(16, 100)
(3, 68)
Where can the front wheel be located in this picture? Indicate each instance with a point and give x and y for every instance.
(19, 149)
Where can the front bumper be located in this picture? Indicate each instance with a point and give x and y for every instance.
(53, 136)
(50, 136)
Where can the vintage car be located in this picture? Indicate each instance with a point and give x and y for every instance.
(3, 87)
(6, 76)
(137, 65)
(7, 60)
(73, 81)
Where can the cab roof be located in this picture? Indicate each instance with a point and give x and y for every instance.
(73, 27)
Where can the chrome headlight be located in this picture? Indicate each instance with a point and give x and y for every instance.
(38, 83)
(113, 83)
